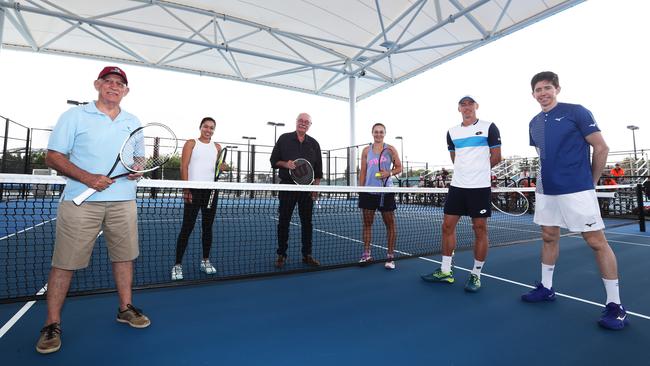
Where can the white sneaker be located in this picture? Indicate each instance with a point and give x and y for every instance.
(207, 267)
(177, 272)
(365, 257)
(391, 263)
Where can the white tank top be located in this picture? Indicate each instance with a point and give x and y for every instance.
(202, 161)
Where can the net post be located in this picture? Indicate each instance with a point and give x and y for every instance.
(252, 168)
(27, 166)
(640, 206)
(4, 147)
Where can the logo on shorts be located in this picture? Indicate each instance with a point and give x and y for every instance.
(592, 224)
(484, 211)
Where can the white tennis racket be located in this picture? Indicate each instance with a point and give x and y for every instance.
(146, 149)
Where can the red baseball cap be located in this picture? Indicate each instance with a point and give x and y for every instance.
(113, 70)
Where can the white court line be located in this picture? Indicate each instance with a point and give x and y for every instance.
(578, 236)
(19, 314)
(28, 229)
(531, 287)
(14, 319)
(490, 276)
(630, 234)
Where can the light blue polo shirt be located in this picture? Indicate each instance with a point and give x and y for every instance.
(92, 141)
(559, 135)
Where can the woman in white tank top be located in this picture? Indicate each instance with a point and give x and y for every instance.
(197, 164)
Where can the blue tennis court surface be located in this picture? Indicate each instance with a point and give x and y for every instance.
(365, 316)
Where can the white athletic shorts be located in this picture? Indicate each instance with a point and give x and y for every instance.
(578, 212)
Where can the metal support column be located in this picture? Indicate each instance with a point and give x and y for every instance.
(352, 154)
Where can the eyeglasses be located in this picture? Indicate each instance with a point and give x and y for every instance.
(114, 82)
(304, 122)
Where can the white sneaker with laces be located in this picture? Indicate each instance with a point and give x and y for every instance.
(391, 263)
(207, 267)
(177, 272)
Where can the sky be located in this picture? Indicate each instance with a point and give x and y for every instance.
(596, 48)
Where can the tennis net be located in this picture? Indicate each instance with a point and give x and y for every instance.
(244, 232)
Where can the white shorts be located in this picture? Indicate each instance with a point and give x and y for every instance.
(578, 212)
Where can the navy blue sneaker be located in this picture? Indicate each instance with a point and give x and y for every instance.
(614, 317)
(539, 294)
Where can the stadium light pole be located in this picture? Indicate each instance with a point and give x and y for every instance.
(275, 128)
(275, 139)
(248, 151)
(229, 147)
(401, 139)
(633, 128)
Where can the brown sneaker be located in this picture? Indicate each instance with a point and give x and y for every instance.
(308, 259)
(133, 316)
(279, 263)
(50, 339)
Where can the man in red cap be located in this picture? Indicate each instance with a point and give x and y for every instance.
(82, 147)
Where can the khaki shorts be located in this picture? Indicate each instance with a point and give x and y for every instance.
(77, 228)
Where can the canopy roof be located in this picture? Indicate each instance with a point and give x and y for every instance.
(312, 46)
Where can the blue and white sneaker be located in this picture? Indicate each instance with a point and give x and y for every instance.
(539, 294)
(614, 317)
(473, 283)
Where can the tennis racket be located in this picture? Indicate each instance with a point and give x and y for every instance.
(513, 203)
(146, 149)
(303, 174)
(378, 174)
(221, 158)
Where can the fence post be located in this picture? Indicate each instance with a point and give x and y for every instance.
(641, 207)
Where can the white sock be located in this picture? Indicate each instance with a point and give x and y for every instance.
(478, 265)
(611, 287)
(446, 264)
(547, 275)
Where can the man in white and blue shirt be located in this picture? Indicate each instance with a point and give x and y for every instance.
(474, 147)
(563, 135)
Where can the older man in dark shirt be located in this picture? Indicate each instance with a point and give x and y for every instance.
(289, 147)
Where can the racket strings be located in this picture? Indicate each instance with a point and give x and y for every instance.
(515, 203)
(303, 173)
(148, 148)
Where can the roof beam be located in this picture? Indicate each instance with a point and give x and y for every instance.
(2, 26)
(111, 40)
(149, 33)
(503, 13)
(24, 29)
(452, 18)
(470, 17)
(173, 50)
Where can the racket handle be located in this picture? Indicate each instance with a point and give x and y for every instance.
(82, 197)
(211, 199)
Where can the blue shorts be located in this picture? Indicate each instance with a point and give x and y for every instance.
(472, 202)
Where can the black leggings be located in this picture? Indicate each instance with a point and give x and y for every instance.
(190, 212)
